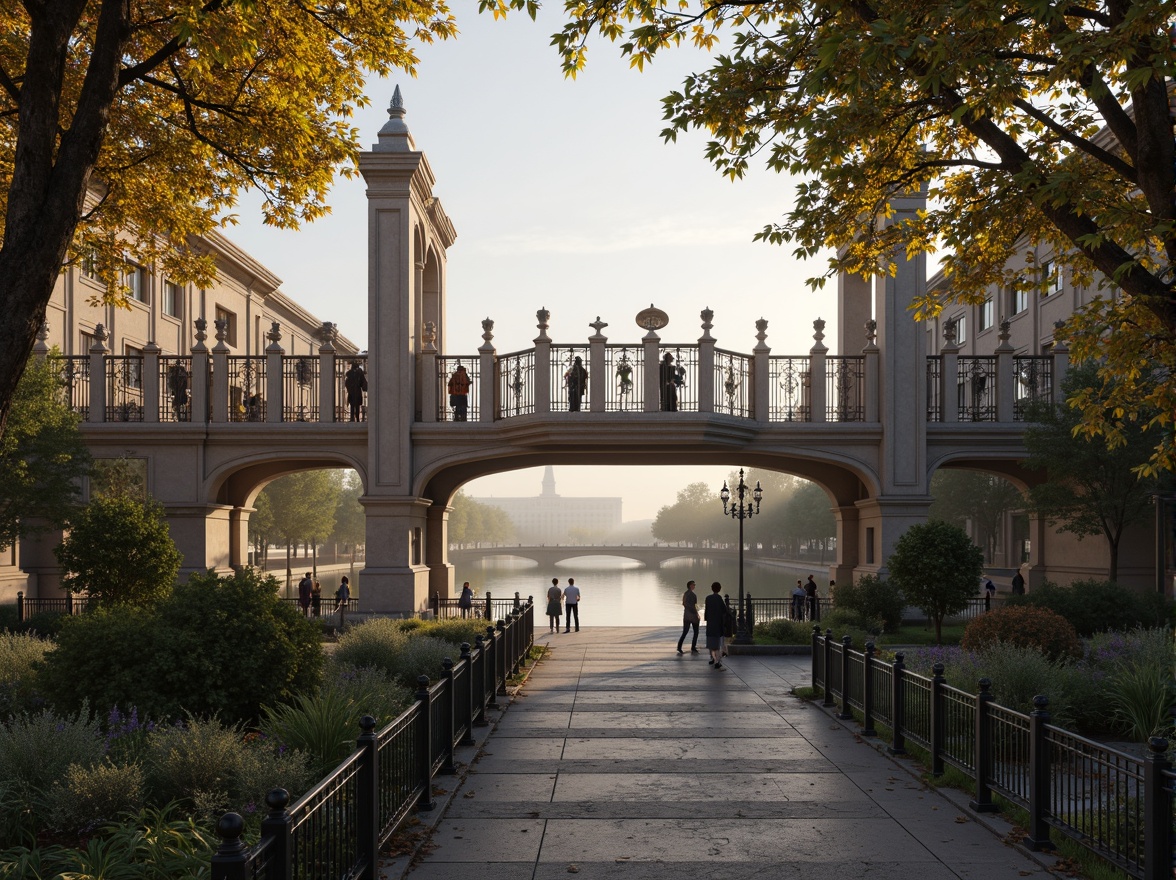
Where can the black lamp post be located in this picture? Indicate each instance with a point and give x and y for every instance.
(743, 508)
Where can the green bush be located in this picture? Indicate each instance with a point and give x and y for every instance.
(1030, 627)
(1019, 673)
(91, 796)
(453, 630)
(783, 631)
(20, 653)
(874, 599)
(1097, 606)
(374, 644)
(1141, 697)
(36, 752)
(217, 646)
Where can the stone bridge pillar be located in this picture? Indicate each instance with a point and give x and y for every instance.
(441, 574)
(406, 227)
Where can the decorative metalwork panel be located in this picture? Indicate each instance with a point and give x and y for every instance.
(977, 389)
(124, 388)
(569, 380)
(626, 371)
(959, 728)
(882, 676)
(342, 404)
(1032, 382)
(1009, 767)
(449, 406)
(246, 388)
(788, 379)
(845, 386)
(917, 703)
(400, 783)
(175, 389)
(681, 375)
(934, 380)
(75, 383)
(300, 388)
(516, 385)
(733, 378)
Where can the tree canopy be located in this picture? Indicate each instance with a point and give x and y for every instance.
(982, 499)
(1040, 132)
(127, 130)
(937, 568)
(42, 456)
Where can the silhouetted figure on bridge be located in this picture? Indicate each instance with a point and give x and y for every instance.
(355, 381)
(576, 378)
(671, 379)
(459, 393)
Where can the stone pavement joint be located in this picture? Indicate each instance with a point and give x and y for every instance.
(619, 758)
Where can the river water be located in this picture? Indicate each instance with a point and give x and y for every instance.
(619, 593)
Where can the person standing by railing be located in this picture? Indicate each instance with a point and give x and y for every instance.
(576, 378)
(798, 597)
(466, 600)
(554, 598)
(716, 624)
(571, 597)
(355, 382)
(459, 393)
(810, 590)
(316, 599)
(305, 587)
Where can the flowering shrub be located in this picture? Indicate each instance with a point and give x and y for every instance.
(873, 598)
(1097, 606)
(1029, 627)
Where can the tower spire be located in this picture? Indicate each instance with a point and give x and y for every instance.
(395, 136)
(549, 482)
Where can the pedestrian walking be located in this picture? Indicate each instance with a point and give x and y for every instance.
(1018, 585)
(554, 597)
(690, 618)
(343, 595)
(715, 610)
(571, 597)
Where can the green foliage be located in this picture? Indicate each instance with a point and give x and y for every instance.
(374, 644)
(43, 623)
(324, 725)
(1019, 673)
(1141, 697)
(1092, 487)
(783, 631)
(20, 654)
(120, 551)
(937, 568)
(217, 645)
(1095, 606)
(873, 598)
(155, 844)
(453, 630)
(36, 751)
(695, 518)
(350, 519)
(303, 505)
(1037, 628)
(475, 521)
(90, 796)
(210, 767)
(42, 455)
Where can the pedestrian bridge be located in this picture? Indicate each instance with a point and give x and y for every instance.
(870, 423)
(648, 555)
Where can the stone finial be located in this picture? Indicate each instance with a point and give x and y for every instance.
(1004, 332)
(41, 346)
(542, 316)
(819, 336)
(949, 333)
(201, 330)
(275, 333)
(222, 329)
(487, 329)
(761, 329)
(871, 333)
(706, 315)
(327, 334)
(98, 346)
(597, 325)
(395, 136)
(429, 335)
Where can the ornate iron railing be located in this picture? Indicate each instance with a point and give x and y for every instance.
(124, 388)
(343, 406)
(976, 389)
(516, 385)
(626, 375)
(789, 379)
(733, 383)
(175, 389)
(300, 388)
(569, 380)
(845, 388)
(449, 405)
(74, 373)
(1033, 382)
(678, 380)
(246, 388)
(934, 385)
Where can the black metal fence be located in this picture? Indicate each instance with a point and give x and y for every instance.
(70, 604)
(482, 606)
(336, 829)
(774, 608)
(1117, 805)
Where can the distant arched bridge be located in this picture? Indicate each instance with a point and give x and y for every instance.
(649, 555)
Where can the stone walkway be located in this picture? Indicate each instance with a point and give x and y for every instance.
(620, 758)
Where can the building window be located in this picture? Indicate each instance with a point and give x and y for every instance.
(173, 297)
(987, 311)
(230, 319)
(869, 545)
(1019, 300)
(1051, 276)
(961, 329)
(135, 282)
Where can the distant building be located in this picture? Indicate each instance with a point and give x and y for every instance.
(551, 519)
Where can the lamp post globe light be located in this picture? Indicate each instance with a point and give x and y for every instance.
(744, 507)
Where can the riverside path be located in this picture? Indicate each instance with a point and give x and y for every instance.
(621, 759)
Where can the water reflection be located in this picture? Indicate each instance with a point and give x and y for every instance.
(620, 593)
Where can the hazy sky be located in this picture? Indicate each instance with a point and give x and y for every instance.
(564, 196)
